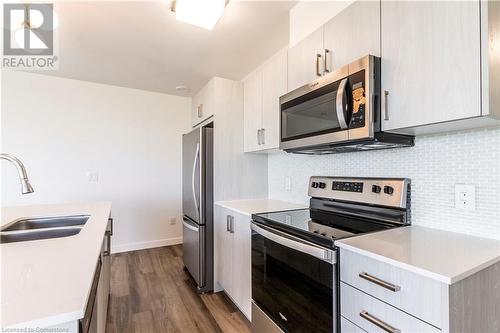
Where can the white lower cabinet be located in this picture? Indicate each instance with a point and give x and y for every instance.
(347, 327)
(373, 315)
(232, 253)
(377, 296)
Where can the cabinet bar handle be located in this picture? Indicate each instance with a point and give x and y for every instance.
(377, 322)
(231, 224)
(110, 220)
(228, 221)
(327, 51)
(200, 110)
(258, 137)
(318, 56)
(377, 281)
(386, 108)
(263, 133)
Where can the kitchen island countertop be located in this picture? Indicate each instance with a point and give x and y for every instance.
(47, 282)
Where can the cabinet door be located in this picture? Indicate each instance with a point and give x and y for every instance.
(430, 62)
(202, 105)
(302, 60)
(252, 110)
(222, 249)
(242, 263)
(274, 85)
(352, 34)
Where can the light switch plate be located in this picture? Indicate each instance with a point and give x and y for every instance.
(93, 176)
(465, 196)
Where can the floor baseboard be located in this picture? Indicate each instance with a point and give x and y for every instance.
(146, 245)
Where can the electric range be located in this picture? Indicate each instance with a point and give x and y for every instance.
(295, 270)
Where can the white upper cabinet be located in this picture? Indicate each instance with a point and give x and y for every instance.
(306, 60)
(352, 34)
(274, 85)
(203, 104)
(262, 90)
(430, 62)
(252, 111)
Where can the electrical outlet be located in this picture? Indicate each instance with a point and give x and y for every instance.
(173, 221)
(288, 184)
(93, 176)
(465, 196)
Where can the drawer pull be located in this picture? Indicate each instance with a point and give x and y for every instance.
(377, 322)
(382, 283)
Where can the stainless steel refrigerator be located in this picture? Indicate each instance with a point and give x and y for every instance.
(197, 205)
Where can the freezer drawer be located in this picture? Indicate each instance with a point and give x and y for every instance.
(193, 250)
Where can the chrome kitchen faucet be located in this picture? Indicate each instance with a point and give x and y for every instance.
(21, 170)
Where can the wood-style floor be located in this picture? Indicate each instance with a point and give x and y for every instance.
(151, 292)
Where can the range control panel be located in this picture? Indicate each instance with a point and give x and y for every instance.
(347, 186)
(391, 192)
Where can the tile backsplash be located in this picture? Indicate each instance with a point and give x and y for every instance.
(434, 165)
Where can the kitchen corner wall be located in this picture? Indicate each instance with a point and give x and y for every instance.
(61, 129)
(435, 165)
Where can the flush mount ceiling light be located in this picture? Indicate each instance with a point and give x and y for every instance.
(202, 13)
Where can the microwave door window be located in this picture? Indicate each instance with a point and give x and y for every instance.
(310, 117)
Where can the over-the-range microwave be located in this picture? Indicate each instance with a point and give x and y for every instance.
(339, 112)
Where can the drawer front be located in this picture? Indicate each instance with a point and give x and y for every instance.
(373, 315)
(347, 327)
(420, 296)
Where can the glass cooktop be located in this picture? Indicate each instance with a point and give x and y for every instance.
(299, 222)
(323, 230)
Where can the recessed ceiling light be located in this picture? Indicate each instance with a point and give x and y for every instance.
(182, 88)
(202, 13)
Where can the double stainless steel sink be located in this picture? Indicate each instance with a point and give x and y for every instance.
(43, 228)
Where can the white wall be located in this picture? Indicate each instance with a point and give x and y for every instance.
(435, 165)
(62, 128)
(308, 15)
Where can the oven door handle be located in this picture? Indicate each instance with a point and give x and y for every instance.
(341, 110)
(297, 244)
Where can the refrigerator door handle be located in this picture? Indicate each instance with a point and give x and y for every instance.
(189, 226)
(193, 188)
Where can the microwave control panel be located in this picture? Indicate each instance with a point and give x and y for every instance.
(358, 100)
(358, 108)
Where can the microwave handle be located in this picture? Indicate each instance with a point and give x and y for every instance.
(341, 111)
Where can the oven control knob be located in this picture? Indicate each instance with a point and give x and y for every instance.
(388, 190)
(376, 189)
(322, 185)
(314, 185)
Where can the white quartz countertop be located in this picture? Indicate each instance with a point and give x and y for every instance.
(254, 206)
(441, 255)
(47, 282)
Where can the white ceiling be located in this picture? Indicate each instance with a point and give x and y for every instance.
(141, 45)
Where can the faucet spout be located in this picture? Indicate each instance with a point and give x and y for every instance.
(21, 170)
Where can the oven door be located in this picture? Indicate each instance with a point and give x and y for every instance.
(317, 113)
(294, 283)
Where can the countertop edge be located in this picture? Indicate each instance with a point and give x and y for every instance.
(421, 271)
(280, 205)
(50, 321)
(414, 269)
(223, 205)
